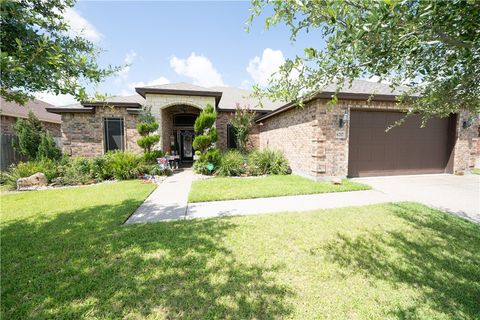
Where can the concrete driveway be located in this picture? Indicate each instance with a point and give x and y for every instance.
(459, 195)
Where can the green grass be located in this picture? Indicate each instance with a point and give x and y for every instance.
(476, 171)
(66, 255)
(215, 189)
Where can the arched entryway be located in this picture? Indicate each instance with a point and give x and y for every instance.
(177, 130)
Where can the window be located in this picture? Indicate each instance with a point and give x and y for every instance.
(184, 120)
(113, 134)
(231, 137)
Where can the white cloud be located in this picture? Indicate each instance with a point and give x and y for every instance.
(246, 84)
(80, 26)
(129, 58)
(198, 68)
(133, 85)
(56, 100)
(262, 68)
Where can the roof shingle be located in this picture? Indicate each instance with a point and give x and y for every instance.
(38, 108)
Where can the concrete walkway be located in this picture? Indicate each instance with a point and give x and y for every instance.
(167, 202)
(457, 195)
(287, 203)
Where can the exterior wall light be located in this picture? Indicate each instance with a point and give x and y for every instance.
(343, 120)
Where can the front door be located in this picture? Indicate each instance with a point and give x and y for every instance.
(186, 147)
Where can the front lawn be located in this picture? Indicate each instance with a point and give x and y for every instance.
(215, 189)
(66, 255)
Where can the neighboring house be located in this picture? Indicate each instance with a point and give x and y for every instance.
(10, 112)
(348, 139)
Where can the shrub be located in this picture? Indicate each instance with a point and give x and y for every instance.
(151, 157)
(242, 122)
(205, 132)
(99, 169)
(232, 164)
(28, 132)
(47, 149)
(147, 142)
(154, 170)
(76, 170)
(267, 162)
(212, 156)
(146, 128)
(26, 169)
(122, 165)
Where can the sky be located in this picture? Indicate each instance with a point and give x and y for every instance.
(198, 42)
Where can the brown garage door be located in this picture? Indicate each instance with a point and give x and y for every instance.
(407, 149)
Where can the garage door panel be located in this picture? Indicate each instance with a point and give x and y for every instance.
(406, 149)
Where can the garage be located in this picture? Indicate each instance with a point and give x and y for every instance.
(406, 149)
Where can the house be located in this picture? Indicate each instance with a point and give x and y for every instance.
(10, 112)
(319, 141)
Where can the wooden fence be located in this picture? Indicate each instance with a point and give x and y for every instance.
(8, 155)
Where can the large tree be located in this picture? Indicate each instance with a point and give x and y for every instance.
(433, 47)
(40, 53)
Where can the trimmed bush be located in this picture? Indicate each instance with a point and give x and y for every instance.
(146, 128)
(232, 164)
(148, 141)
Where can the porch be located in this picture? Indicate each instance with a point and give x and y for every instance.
(176, 130)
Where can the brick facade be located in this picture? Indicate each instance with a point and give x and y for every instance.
(166, 129)
(83, 133)
(223, 119)
(294, 133)
(308, 137)
(7, 126)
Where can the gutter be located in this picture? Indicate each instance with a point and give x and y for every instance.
(71, 110)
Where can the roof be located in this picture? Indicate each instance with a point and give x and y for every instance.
(366, 87)
(357, 90)
(38, 107)
(232, 96)
(133, 101)
(227, 98)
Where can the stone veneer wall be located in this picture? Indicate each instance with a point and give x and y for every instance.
(7, 126)
(83, 133)
(466, 151)
(223, 119)
(308, 137)
(159, 102)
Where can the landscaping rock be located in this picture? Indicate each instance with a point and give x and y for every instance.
(33, 182)
(336, 181)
